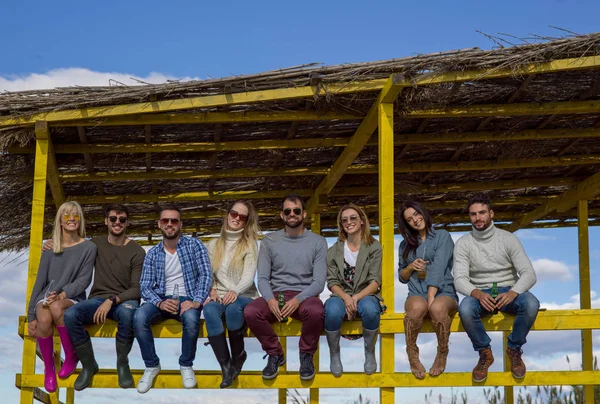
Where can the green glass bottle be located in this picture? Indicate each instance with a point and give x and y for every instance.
(494, 295)
(281, 302)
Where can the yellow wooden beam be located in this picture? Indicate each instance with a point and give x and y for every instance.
(587, 189)
(434, 78)
(351, 191)
(478, 165)
(212, 118)
(390, 90)
(269, 144)
(171, 379)
(42, 132)
(391, 323)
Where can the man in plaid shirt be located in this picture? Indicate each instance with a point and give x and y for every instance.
(176, 279)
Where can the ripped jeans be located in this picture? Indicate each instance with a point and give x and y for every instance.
(82, 313)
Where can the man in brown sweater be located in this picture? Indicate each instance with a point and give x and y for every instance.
(115, 294)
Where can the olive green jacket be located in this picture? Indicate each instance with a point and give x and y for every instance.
(368, 268)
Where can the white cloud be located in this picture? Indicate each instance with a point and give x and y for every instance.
(547, 269)
(572, 304)
(75, 76)
(527, 234)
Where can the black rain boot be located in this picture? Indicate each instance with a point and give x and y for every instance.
(89, 367)
(221, 350)
(123, 370)
(238, 354)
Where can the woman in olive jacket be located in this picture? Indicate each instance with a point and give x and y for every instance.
(354, 278)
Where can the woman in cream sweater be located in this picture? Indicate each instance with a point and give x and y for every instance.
(233, 257)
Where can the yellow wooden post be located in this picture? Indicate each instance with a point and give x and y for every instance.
(35, 243)
(509, 392)
(283, 392)
(315, 227)
(386, 235)
(585, 300)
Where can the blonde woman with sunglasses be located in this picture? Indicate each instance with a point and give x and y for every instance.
(354, 278)
(63, 276)
(233, 260)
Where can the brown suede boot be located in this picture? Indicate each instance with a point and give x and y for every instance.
(442, 330)
(517, 367)
(411, 330)
(486, 359)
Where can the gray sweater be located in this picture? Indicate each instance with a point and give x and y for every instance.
(292, 263)
(491, 255)
(70, 270)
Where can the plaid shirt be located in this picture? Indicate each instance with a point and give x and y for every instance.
(197, 273)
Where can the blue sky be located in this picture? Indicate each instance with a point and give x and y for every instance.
(48, 44)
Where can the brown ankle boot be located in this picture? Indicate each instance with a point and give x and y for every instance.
(486, 359)
(442, 330)
(411, 330)
(517, 367)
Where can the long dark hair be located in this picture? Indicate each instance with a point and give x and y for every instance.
(411, 236)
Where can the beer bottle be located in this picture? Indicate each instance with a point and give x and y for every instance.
(281, 302)
(494, 295)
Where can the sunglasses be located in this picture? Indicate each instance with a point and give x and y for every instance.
(350, 219)
(166, 220)
(68, 216)
(288, 211)
(235, 215)
(121, 219)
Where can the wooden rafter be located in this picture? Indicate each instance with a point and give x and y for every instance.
(42, 132)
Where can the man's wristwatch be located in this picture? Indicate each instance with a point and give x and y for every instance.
(113, 299)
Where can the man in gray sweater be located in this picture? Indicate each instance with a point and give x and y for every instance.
(291, 263)
(483, 257)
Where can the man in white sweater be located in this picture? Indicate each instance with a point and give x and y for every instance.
(485, 256)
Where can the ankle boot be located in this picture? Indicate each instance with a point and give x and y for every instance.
(238, 353)
(71, 359)
(411, 330)
(370, 337)
(335, 361)
(47, 350)
(123, 371)
(442, 330)
(219, 346)
(89, 367)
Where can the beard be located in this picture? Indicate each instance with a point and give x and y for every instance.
(170, 236)
(481, 227)
(294, 225)
(116, 234)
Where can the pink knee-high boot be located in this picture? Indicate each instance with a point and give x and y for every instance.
(71, 359)
(47, 350)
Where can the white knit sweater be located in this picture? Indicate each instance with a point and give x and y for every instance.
(491, 255)
(243, 283)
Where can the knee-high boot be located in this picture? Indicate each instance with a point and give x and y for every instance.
(47, 350)
(411, 331)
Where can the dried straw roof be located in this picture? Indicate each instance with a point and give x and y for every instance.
(515, 136)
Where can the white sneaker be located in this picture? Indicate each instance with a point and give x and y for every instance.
(188, 377)
(147, 379)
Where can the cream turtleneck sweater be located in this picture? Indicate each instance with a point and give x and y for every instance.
(226, 278)
(491, 255)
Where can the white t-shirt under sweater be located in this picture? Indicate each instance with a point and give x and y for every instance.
(226, 277)
(173, 274)
(491, 255)
(349, 255)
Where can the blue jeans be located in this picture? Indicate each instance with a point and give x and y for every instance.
(525, 307)
(233, 313)
(368, 308)
(148, 315)
(82, 313)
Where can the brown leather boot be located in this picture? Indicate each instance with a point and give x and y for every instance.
(517, 367)
(411, 330)
(442, 330)
(486, 359)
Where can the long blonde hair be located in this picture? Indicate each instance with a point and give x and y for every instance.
(57, 235)
(365, 235)
(247, 241)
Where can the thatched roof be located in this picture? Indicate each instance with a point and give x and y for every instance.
(438, 130)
